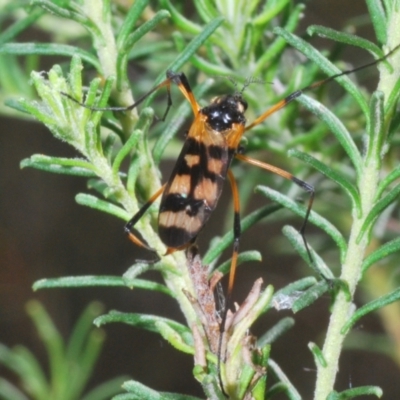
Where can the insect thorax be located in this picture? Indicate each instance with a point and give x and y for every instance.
(224, 111)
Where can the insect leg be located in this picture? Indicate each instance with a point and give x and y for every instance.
(166, 82)
(287, 175)
(132, 222)
(183, 85)
(236, 232)
(178, 78)
(232, 272)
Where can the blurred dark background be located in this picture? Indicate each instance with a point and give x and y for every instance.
(44, 233)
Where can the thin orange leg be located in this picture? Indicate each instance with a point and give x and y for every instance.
(232, 271)
(287, 175)
(132, 222)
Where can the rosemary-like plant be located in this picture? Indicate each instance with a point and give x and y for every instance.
(70, 363)
(235, 39)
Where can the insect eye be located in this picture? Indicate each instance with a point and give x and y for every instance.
(242, 105)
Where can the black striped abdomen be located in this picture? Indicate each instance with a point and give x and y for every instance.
(193, 189)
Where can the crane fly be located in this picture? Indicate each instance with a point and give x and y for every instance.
(192, 192)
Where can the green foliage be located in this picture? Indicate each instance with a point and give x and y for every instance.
(237, 39)
(71, 364)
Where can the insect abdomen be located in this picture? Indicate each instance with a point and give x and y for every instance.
(192, 192)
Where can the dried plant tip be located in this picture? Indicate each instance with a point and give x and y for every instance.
(203, 300)
(248, 304)
(215, 279)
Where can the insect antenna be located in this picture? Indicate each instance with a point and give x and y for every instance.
(248, 82)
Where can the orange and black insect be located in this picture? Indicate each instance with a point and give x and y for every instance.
(195, 185)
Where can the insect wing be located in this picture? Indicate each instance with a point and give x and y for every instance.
(195, 185)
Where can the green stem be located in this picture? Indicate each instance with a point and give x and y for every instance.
(351, 270)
